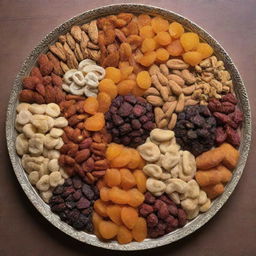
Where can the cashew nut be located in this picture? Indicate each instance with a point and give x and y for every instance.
(193, 189)
(40, 122)
(53, 154)
(161, 135)
(153, 170)
(63, 173)
(188, 166)
(60, 144)
(189, 204)
(37, 108)
(46, 195)
(21, 144)
(44, 183)
(169, 146)
(156, 187)
(149, 151)
(33, 177)
(50, 142)
(36, 144)
(22, 106)
(53, 165)
(56, 132)
(202, 197)
(29, 130)
(23, 117)
(60, 122)
(170, 160)
(176, 185)
(191, 214)
(52, 110)
(44, 167)
(206, 206)
(55, 178)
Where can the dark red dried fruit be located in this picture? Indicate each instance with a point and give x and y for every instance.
(182, 217)
(221, 135)
(152, 220)
(83, 203)
(145, 210)
(232, 136)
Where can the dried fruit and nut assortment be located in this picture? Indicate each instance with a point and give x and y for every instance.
(128, 127)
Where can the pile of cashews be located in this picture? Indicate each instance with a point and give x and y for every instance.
(84, 80)
(171, 170)
(38, 144)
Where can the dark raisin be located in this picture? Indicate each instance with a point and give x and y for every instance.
(87, 191)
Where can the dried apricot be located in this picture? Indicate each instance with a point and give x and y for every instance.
(193, 58)
(141, 179)
(175, 48)
(143, 20)
(137, 91)
(119, 196)
(143, 80)
(96, 219)
(100, 184)
(162, 55)
(108, 229)
(139, 231)
(108, 86)
(135, 160)
(104, 196)
(163, 38)
(114, 213)
(91, 105)
(147, 32)
(112, 177)
(113, 151)
(125, 87)
(95, 122)
(159, 24)
(125, 51)
(124, 235)
(189, 41)
(126, 71)
(127, 179)
(136, 197)
(104, 102)
(122, 159)
(148, 45)
(100, 207)
(176, 30)
(129, 216)
(148, 59)
(113, 73)
(205, 49)
(142, 163)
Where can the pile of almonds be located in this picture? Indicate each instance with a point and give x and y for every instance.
(171, 92)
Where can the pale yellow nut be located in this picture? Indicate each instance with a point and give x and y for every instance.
(18, 127)
(40, 122)
(60, 122)
(153, 170)
(63, 173)
(52, 110)
(176, 185)
(22, 106)
(50, 142)
(161, 135)
(53, 165)
(46, 195)
(149, 151)
(37, 108)
(56, 132)
(34, 177)
(23, 117)
(191, 214)
(193, 190)
(53, 154)
(206, 206)
(29, 130)
(36, 144)
(44, 183)
(21, 144)
(44, 167)
(202, 197)
(170, 159)
(155, 186)
(60, 144)
(55, 178)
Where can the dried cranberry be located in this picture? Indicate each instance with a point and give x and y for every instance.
(230, 97)
(221, 135)
(131, 99)
(118, 120)
(233, 136)
(149, 198)
(173, 210)
(138, 110)
(163, 212)
(136, 124)
(182, 217)
(149, 125)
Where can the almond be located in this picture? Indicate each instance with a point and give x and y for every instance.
(177, 79)
(82, 155)
(71, 41)
(155, 100)
(173, 121)
(61, 54)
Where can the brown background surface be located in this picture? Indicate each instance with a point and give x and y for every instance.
(23, 231)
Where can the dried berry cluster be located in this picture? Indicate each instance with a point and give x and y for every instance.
(44, 83)
(195, 129)
(229, 119)
(73, 202)
(162, 215)
(129, 120)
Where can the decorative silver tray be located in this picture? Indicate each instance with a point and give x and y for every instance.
(32, 194)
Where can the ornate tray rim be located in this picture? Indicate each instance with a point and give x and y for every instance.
(32, 194)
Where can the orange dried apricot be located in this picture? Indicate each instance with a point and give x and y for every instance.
(113, 151)
(176, 30)
(139, 231)
(104, 196)
(113, 73)
(141, 179)
(95, 122)
(205, 49)
(163, 38)
(100, 207)
(127, 179)
(119, 196)
(100, 184)
(124, 235)
(143, 80)
(114, 213)
(148, 45)
(159, 24)
(125, 87)
(142, 163)
(96, 219)
(136, 197)
(147, 32)
(175, 48)
(129, 216)
(126, 71)
(143, 20)
(108, 86)
(112, 177)
(104, 102)
(189, 41)
(125, 51)
(91, 105)
(135, 160)
(122, 159)
(137, 91)
(193, 58)
(108, 229)
(162, 55)
(148, 59)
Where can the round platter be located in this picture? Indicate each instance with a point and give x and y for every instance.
(32, 194)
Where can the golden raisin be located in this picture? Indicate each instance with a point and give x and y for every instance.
(163, 38)
(147, 32)
(205, 49)
(144, 20)
(125, 87)
(148, 45)
(193, 58)
(175, 48)
(159, 24)
(143, 80)
(113, 73)
(162, 55)
(189, 41)
(176, 30)
(148, 59)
